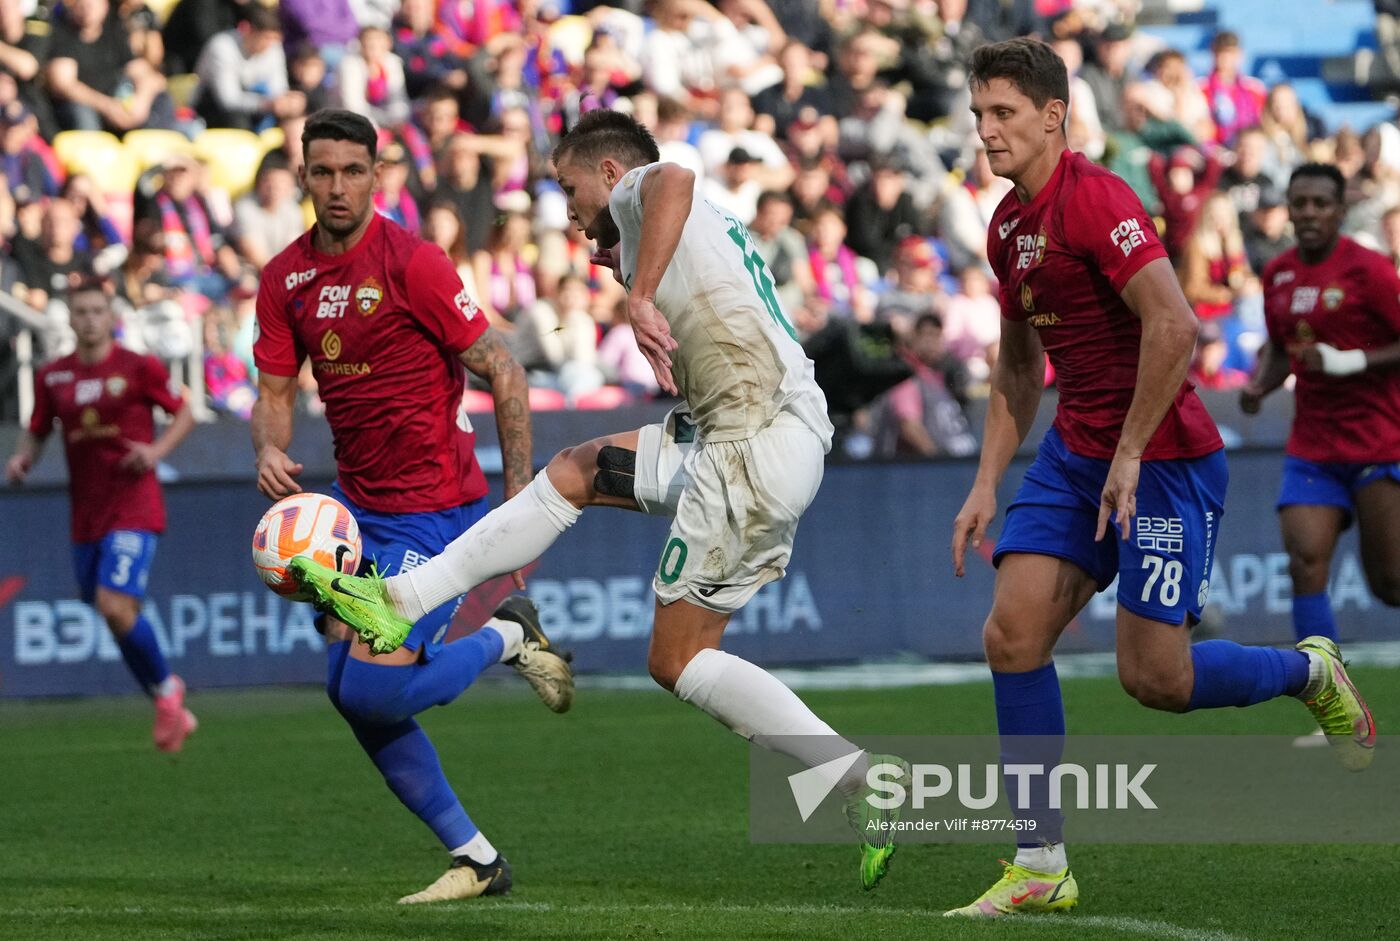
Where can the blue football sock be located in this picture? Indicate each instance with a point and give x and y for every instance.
(409, 763)
(384, 695)
(1031, 721)
(1231, 674)
(141, 651)
(1312, 614)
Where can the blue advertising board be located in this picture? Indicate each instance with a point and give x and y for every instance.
(871, 578)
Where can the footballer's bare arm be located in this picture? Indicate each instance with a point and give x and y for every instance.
(489, 359)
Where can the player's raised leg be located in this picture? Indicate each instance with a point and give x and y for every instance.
(1036, 598)
(514, 534)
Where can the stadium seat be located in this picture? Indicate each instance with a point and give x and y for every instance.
(162, 8)
(477, 401)
(546, 400)
(99, 155)
(604, 398)
(274, 138)
(150, 146)
(232, 156)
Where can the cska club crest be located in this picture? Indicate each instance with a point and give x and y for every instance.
(368, 295)
(1332, 298)
(116, 385)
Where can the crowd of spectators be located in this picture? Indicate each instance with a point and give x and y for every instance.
(838, 130)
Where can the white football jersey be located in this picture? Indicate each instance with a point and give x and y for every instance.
(737, 363)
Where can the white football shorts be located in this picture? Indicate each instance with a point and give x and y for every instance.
(734, 505)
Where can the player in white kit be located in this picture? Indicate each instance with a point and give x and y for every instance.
(734, 466)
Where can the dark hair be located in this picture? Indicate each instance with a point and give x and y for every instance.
(928, 320)
(337, 124)
(603, 133)
(774, 196)
(1225, 39)
(85, 282)
(273, 160)
(262, 18)
(1028, 64)
(1325, 171)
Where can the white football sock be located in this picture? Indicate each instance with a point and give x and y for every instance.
(511, 633)
(1046, 859)
(511, 536)
(167, 686)
(754, 703)
(478, 849)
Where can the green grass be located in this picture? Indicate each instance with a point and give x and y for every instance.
(624, 819)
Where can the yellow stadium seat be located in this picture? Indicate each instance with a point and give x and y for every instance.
(162, 8)
(150, 146)
(181, 89)
(99, 155)
(274, 138)
(232, 156)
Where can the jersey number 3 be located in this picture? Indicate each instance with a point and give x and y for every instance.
(763, 284)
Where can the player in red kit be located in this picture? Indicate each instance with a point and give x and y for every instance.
(388, 327)
(101, 395)
(1333, 314)
(1128, 483)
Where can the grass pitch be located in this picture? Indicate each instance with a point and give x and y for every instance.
(626, 818)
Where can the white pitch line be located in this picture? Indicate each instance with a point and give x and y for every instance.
(1120, 924)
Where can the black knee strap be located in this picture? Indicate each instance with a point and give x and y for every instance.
(617, 468)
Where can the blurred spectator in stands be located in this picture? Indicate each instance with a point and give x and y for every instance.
(881, 214)
(198, 253)
(840, 277)
(972, 323)
(736, 119)
(48, 267)
(922, 416)
(148, 305)
(504, 270)
(307, 71)
(98, 231)
(748, 40)
(619, 359)
(329, 25)
(1236, 100)
(93, 78)
(779, 106)
(1266, 232)
(1208, 369)
(1182, 183)
(370, 80)
(190, 26)
(673, 136)
(782, 248)
(676, 59)
(429, 58)
(1107, 75)
(877, 127)
(460, 179)
(1388, 36)
(1172, 74)
(1214, 269)
(964, 211)
(472, 24)
(599, 80)
(737, 187)
(1248, 177)
(811, 136)
(1289, 127)
(443, 227)
(558, 342)
(1083, 127)
(24, 50)
(1129, 152)
(862, 56)
(516, 171)
(243, 75)
(225, 374)
(30, 169)
(438, 121)
(392, 199)
(936, 68)
(143, 26)
(269, 218)
(1373, 187)
(913, 287)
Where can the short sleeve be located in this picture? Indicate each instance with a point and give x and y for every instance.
(41, 419)
(275, 351)
(625, 202)
(439, 300)
(1384, 284)
(1106, 222)
(159, 388)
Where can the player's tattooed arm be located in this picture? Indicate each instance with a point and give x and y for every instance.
(489, 359)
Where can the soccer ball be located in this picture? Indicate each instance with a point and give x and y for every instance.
(310, 524)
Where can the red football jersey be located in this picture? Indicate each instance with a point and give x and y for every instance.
(100, 407)
(1061, 261)
(1351, 301)
(383, 324)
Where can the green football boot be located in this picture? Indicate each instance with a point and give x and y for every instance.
(360, 601)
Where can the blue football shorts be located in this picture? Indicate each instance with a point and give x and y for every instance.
(1164, 568)
(1330, 484)
(120, 561)
(397, 542)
